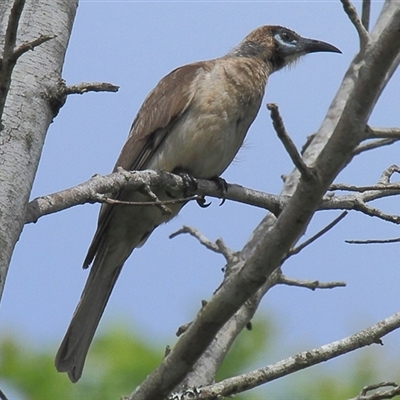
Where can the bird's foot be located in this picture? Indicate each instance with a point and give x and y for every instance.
(189, 181)
(201, 201)
(190, 186)
(222, 187)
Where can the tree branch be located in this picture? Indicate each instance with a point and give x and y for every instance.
(330, 151)
(217, 247)
(85, 87)
(364, 194)
(11, 54)
(374, 145)
(297, 160)
(96, 190)
(360, 27)
(12, 28)
(57, 95)
(6, 63)
(26, 46)
(380, 395)
(91, 191)
(366, 13)
(297, 249)
(383, 133)
(241, 383)
(312, 285)
(373, 241)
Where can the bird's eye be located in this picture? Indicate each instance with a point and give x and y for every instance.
(287, 37)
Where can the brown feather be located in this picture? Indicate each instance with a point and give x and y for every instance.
(157, 115)
(195, 119)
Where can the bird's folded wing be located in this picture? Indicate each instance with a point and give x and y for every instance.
(164, 105)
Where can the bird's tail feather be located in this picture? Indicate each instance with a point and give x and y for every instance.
(75, 345)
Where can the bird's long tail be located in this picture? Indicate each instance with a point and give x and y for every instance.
(72, 353)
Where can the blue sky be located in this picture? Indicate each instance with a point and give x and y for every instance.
(133, 44)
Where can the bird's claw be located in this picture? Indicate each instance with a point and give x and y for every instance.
(222, 186)
(201, 201)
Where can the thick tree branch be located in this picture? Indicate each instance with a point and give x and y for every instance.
(91, 191)
(98, 187)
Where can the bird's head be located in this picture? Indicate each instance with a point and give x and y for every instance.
(279, 46)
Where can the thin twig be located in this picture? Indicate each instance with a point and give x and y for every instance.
(84, 87)
(146, 189)
(217, 247)
(384, 182)
(24, 47)
(366, 13)
(312, 239)
(373, 241)
(57, 95)
(374, 145)
(279, 127)
(313, 285)
(196, 234)
(374, 212)
(387, 174)
(361, 189)
(109, 200)
(380, 395)
(353, 16)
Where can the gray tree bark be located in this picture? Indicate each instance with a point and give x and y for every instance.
(28, 112)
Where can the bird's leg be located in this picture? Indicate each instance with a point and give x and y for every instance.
(222, 187)
(190, 185)
(189, 181)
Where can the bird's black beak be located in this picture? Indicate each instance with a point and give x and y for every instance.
(315, 46)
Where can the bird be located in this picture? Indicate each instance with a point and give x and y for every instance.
(194, 122)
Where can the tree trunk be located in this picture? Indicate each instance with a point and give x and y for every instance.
(28, 112)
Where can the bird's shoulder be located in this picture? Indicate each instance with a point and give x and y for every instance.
(169, 99)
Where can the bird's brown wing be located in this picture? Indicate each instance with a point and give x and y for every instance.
(163, 105)
(159, 112)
